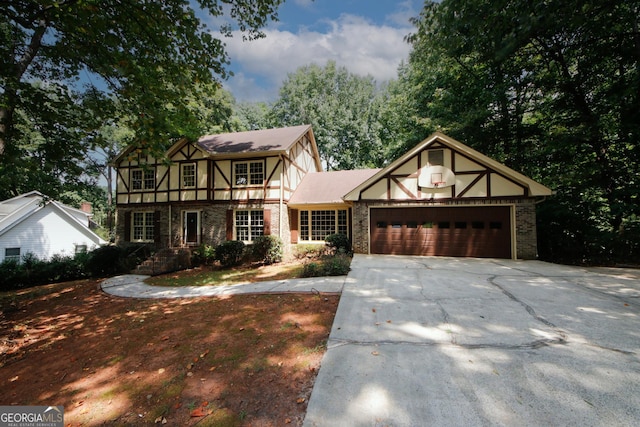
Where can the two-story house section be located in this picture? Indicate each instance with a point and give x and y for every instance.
(232, 186)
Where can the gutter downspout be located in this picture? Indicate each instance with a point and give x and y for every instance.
(281, 197)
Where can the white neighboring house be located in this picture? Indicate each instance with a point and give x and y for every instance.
(33, 223)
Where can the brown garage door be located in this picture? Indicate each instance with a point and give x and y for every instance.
(483, 231)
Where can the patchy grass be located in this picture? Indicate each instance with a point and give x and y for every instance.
(216, 276)
(233, 361)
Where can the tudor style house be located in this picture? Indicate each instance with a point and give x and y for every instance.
(441, 198)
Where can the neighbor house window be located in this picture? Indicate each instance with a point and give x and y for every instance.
(189, 175)
(12, 254)
(317, 225)
(249, 225)
(249, 173)
(143, 227)
(81, 249)
(436, 157)
(143, 179)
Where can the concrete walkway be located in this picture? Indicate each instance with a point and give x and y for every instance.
(479, 342)
(133, 286)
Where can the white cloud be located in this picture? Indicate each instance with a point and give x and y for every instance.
(351, 41)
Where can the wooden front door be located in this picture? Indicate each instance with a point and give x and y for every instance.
(191, 228)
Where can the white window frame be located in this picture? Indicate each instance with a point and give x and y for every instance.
(191, 176)
(247, 231)
(145, 226)
(146, 180)
(252, 177)
(306, 225)
(14, 257)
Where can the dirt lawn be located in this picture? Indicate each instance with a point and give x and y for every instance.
(247, 360)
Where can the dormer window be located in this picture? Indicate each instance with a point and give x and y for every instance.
(249, 173)
(143, 179)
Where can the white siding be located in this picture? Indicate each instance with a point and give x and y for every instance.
(46, 233)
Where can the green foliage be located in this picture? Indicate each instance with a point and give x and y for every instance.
(267, 249)
(105, 261)
(308, 250)
(339, 243)
(230, 253)
(48, 121)
(328, 265)
(512, 80)
(342, 109)
(204, 255)
(32, 271)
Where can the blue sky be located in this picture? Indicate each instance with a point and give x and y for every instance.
(365, 36)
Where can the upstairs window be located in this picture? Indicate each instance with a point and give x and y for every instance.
(143, 179)
(189, 175)
(249, 173)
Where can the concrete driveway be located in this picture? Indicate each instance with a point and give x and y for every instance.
(422, 341)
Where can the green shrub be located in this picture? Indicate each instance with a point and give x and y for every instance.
(267, 249)
(338, 243)
(328, 265)
(312, 269)
(229, 253)
(308, 250)
(10, 275)
(337, 265)
(106, 260)
(203, 255)
(32, 271)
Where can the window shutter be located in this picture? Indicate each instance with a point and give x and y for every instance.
(156, 227)
(127, 226)
(230, 224)
(293, 220)
(350, 225)
(267, 222)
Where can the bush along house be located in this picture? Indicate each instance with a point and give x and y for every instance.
(441, 198)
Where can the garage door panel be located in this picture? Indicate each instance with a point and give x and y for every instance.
(474, 231)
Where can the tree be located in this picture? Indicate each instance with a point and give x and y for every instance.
(148, 55)
(551, 88)
(341, 107)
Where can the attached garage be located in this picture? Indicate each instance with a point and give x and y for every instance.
(443, 198)
(482, 231)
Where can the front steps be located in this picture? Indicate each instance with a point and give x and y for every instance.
(165, 261)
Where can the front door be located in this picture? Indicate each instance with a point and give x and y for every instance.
(191, 228)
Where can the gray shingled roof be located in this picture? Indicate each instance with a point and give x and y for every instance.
(328, 187)
(254, 141)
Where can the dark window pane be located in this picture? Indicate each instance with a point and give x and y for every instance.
(477, 225)
(381, 224)
(427, 224)
(495, 225)
(444, 224)
(396, 225)
(461, 224)
(412, 224)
